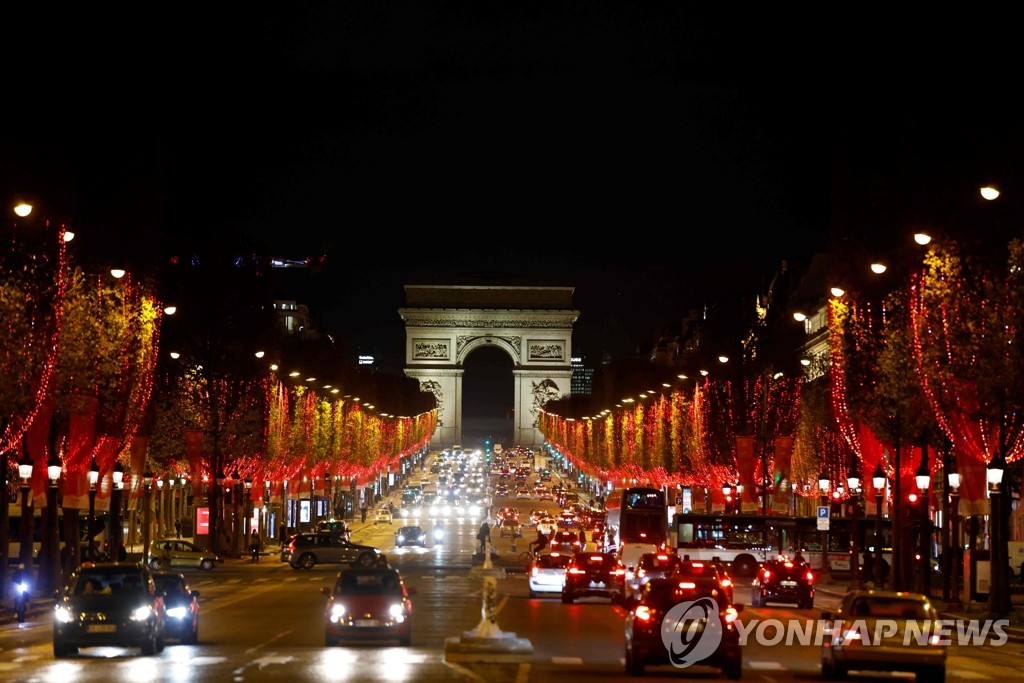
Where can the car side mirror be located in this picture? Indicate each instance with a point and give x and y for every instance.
(827, 616)
(325, 590)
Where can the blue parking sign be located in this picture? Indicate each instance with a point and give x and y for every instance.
(822, 512)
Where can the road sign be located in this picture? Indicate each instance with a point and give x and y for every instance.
(823, 518)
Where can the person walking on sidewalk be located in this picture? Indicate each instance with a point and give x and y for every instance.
(254, 546)
(362, 511)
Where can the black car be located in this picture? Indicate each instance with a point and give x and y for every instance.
(411, 535)
(181, 607)
(109, 604)
(783, 580)
(681, 609)
(594, 574)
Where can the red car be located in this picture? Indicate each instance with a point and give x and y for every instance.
(368, 604)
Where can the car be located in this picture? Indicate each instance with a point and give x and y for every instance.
(510, 527)
(565, 541)
(411, 535)
(335, 526)
(522, 493)
(383, 516)
(108, 604)
(783, 580)
(547, 525)
(711, 569)
(630, 554)
(306, 550)
(899, 618)
(181, 606)
(669, 615)
(594, 574)
(170, 553)
(507, 512)
(652, 566)
(368, 604)
(547, 573)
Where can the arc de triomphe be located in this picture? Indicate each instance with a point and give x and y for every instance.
(444, 324)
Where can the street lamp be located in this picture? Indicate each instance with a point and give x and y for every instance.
(218, 480)
(955, 545)
(25, 531)
(236, 493)
(94, 477)
(53, 469)
(923, 478)
(248, 501)
(116, 527)
(878, 481)
(998, 597)
(727, 491)
(853, 481)
(823, 485)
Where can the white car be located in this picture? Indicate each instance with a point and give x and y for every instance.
(383, 516)
(547, 526)
(547, 573)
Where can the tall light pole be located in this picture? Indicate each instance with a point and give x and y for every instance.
(147, 504)
(236, 493)
(853, 481)
(878, 481)
(160, 526)
(248, 501)
(218, 481)
(116, 525)
(94, 477)
(823, 487)
(53, 573)
(954, 544)
(25, 532)
(998, 598)
(923, 479)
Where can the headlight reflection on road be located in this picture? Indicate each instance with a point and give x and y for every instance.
(145, 669)
(338, 665)
(61, 672)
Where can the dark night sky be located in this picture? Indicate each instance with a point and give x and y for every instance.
(656, 155)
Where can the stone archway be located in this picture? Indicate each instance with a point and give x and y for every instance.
(533, 325)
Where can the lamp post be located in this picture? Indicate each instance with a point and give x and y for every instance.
(853, 481)
(727, 492)
(218, 480)
(147, 504)
(954, 544)
(248, 501)
(236, 493)
(998, 592)
(94, 477)
(823, 486)
(25, 531)
(53, 470)
(878, 481)
(160, 526)
(116, 526)
(923, 479)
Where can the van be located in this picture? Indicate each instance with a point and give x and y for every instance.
(630, 554)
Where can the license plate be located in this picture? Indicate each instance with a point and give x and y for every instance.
(788, 584)
(102, 628)
(367, 622)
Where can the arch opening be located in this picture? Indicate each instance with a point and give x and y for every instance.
(488, 396)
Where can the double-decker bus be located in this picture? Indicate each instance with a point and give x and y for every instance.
(638, 515)
(744, 541)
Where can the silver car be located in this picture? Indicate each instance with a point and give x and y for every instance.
(305, 551)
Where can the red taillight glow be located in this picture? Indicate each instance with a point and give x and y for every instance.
(663, 558)
(534, 571)
(788, 564)
(576, 570)
(767, 574)
(687, 585)
(731, 615)
(726, 582)
(810, 576)
(643, 613)
(620, 572)
(697, 565)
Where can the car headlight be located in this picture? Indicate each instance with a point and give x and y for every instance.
(63, 614)
(397, 613)
(401, 538)
(177, 612)
(142, 613)
(337, 611)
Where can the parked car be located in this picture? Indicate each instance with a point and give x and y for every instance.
(783, 580)
(181, 606)
(169, 553)
(306, 550)
(109, 603)
(896, 617)
(411, 535)
(368, 604)
(547, 573)
(649, 632)
(594, 574)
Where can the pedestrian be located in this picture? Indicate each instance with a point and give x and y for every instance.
(484, 536)
(362, 511)
(254, 545)
(122, 553)
(177, 528)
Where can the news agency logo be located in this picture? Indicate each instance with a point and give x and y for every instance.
(691, 631)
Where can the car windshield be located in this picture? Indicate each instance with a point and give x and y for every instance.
(552, 561)
(108, 583)
(368, 583)
(171, 585)
(890, 608)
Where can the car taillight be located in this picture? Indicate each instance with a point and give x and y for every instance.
(641, 572)
(576, 570)
(620, 572)
(534, 571)
(643, 613)
(687, 585)
(726, 583)
(810, 576)
(731, 614)
(767, 574)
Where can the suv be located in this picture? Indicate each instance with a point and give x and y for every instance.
(652, 566)
(594, 574)
(111, 603)
(783, 580)
(304, 551)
